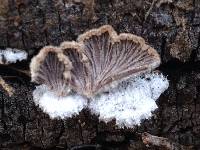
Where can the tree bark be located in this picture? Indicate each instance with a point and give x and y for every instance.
(172, 27)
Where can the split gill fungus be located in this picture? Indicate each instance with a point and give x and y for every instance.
(97, 61)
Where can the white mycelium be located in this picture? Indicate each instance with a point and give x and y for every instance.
(58, 106)
(131, 101)
(10, 55)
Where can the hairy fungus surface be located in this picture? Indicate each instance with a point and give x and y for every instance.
(130, 102)
(10, 55)
(57, 106)
(48, 68)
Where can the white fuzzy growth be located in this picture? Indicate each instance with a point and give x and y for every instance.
(12, 55)
(131, 101)
(158, 84)
(58, 106)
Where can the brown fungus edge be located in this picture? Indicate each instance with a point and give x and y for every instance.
(118, 37)
(39, 58)
(79, 46)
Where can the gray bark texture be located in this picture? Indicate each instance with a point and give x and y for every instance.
(172, 27)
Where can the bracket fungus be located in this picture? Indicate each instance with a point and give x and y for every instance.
(99, 61)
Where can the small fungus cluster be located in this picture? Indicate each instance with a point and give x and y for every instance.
(9, 56)
(98, 62)
(99, 59)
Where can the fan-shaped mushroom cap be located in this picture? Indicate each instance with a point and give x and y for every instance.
(111, 58)
(79, 72)
(48, 68)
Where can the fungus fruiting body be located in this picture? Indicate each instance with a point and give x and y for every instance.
(48, 68)
(110, 59)
(103, 67)
(10, 55)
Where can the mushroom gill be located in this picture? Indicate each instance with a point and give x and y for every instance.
(101, 59)
(48, 67)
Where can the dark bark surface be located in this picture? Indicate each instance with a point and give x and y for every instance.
(171, 27)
